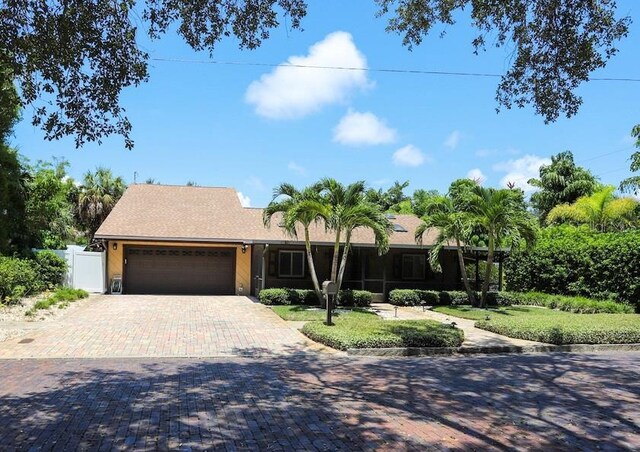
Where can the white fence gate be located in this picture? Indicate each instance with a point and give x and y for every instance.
(85, 269)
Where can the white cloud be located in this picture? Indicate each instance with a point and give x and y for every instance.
(409, 156)
(292, 92)
(293, 166)
(357, 129)
(477, 175)
(244, 200)
(521, 170)
(452, 140)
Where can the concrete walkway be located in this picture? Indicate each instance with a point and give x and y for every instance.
(473, 337)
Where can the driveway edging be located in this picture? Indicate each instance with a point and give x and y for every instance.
(438, 351)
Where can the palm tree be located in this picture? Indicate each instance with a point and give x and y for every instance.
(98, 195)
(602, 211)
(452, 225)
(349, 210)
(503, 217)
(298, 208)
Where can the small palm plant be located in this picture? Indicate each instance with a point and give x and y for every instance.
(452, 226)
(503, 217)
(602, 211)
(298, 208)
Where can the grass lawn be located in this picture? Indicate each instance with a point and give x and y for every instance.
(306, 313)
(359, 329)
(551, 326)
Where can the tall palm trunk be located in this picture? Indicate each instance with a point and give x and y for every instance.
(336, 256)
(487, 272)
(463, 271)
(343, 262)
(312, 267)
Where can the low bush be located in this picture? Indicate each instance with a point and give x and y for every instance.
(457, 297)
(429, 297)
(51, 269)
(404, 297)
(579, 305)
(18, 278)
(274, 296)
(283, 296)
(357, 298)
(362, 330)
(61, 297)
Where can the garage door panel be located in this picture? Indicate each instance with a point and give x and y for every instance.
(192, 271)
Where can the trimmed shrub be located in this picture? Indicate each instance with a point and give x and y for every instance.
(357, 298)
(404, 297)
(457, 297)
(274, 296)
(429, 297)
(18, 278)
(281, 296)
(51, 269)
(571, 260)
(578, 305)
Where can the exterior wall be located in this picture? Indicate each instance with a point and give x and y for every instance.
(115, 259)
(365, 270)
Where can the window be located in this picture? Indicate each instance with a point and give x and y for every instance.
(291, 264)
(413, 266)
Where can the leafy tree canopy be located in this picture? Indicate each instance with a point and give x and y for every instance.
(556, 43)
(49, 211)
(391, 199)
(561, 182)
(73, 59)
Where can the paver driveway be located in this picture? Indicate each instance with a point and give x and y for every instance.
(160, 326)
(562, 402)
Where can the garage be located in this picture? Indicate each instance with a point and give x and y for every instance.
(179, 270)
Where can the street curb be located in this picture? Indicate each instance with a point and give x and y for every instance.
(438, 351)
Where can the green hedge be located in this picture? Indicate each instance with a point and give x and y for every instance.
(415, 297)
(571, 260)
(357, 298)
(579, 305)
(18, 278)
(283, 296)
(51, 269)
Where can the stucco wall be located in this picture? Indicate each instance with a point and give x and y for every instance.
(115, 259)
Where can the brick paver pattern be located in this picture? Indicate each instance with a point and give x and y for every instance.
(162, 326)
(322, 402)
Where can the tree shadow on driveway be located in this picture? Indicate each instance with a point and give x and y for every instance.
(566, 401)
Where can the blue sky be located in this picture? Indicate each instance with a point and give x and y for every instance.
(252, 127)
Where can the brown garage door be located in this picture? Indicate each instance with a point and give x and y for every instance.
(188, 271)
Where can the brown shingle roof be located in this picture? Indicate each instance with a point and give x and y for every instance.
(163, 212)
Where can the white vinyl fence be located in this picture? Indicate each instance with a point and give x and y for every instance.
(85, 269)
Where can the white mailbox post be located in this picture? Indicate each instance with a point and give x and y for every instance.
(329, 288)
